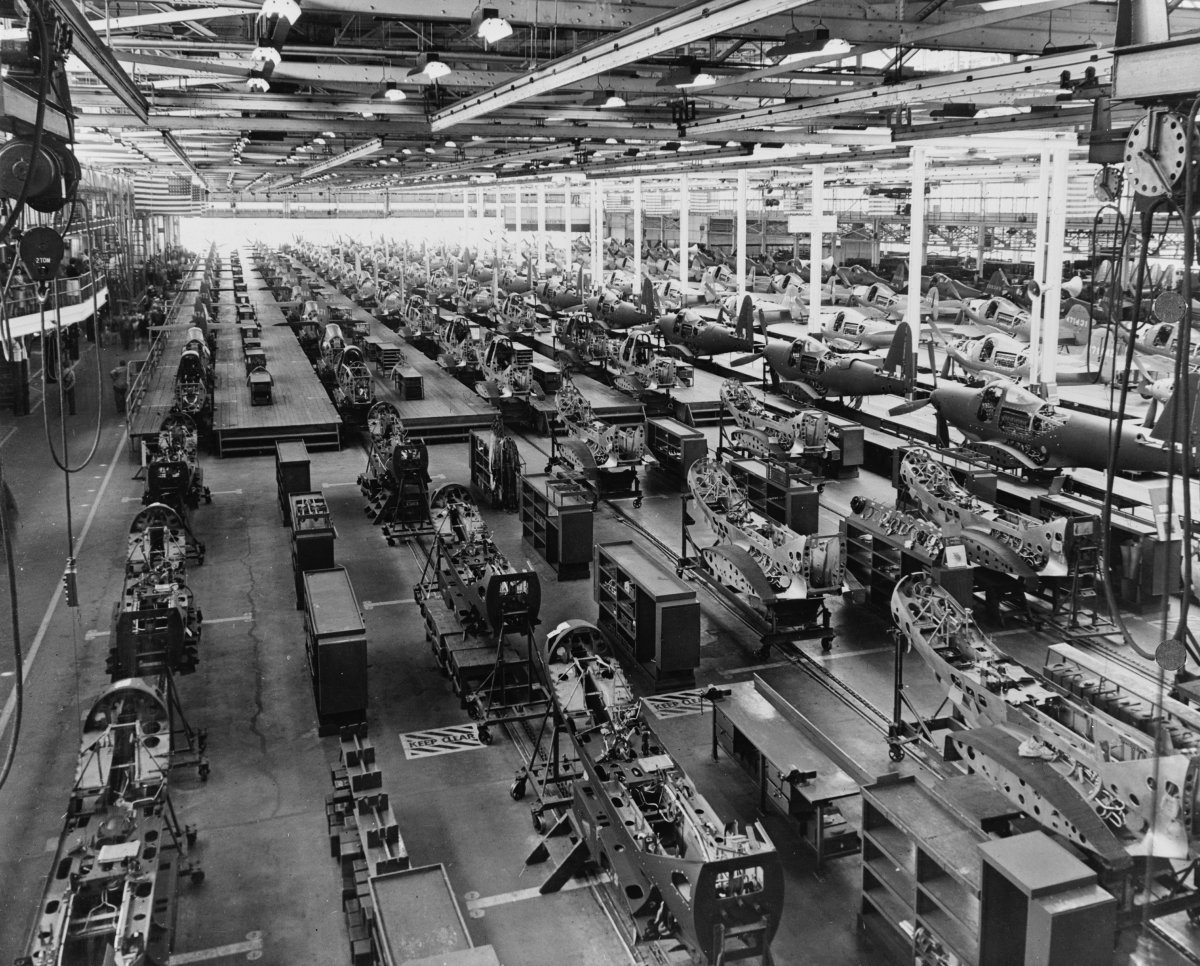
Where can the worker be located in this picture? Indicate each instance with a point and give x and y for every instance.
(120, 383)
(68, 388)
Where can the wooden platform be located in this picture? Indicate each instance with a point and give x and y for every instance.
(300, 408)
(449, 410)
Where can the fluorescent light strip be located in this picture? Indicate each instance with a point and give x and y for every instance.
(682, 25)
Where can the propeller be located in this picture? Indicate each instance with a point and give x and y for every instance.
(745, 360)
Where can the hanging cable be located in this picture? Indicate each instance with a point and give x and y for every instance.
(39, 122)
(18, 658)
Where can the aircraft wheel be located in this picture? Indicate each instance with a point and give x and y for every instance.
(896, 752)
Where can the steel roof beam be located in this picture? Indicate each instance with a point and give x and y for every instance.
(673, 28)
(1009, 78)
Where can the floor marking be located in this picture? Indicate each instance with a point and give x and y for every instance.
(520, 895)
(677, 704)
(248, 616)
(225, 493)
(372, 604)
(8, 436)
(325, 486)
(131, 499)
(733, 672)
(40, 636)
(51, 844)
(839, 656)
(92, 635)
(441, 741)
(252, 947)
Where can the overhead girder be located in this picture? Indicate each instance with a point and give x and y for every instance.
(379, 74)
(868, 24)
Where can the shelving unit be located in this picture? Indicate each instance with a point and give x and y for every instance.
(922, 869)
(676, 445)
(878, 560)
(779, 491)
(651, 617)
(291, 474)
(556, 518)
(312, 537)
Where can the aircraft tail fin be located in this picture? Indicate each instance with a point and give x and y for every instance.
(900, 356)
(998, 283)
(649, 297)
(900, 276)
(710, 290)
(1175, 423)
(745, 320)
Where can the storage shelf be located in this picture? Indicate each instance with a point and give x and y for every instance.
(556, 518)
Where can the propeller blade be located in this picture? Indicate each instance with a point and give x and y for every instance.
(909, 407)
(943, 431)
(745, 360)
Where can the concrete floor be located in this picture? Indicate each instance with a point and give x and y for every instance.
(272, 891)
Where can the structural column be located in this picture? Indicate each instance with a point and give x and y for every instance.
(597, 234)
(684, 231)
(496, 250)
(517, 211)
(541, 227)
(1055, 237)
(916, 244)
(466, 225)
(480, 219)
(743, 192)
(637, 232)
(816, 247)
(1039, 270)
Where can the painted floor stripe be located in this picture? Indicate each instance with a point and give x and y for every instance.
(248, 616)
(225, 493)
(735, 671)
(40, 636)
(842, 654)
(372, 604)
(252, 947)
(326, 486)
(520, 895)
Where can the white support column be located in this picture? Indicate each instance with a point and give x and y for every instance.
(916, 244)
(1036, 302)
(496, 250)
(683, 230)
(816, 246)
(517, 211)
(466, 225)
(637, 230)
(743, 192)
(1055, 240)
(541, 227)
(596, 234)
(480, 219)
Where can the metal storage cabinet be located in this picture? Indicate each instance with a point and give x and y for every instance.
(291, 474)
(335, 645)
(312, 537)
(556, 518)
(651, 617)
(677, 446)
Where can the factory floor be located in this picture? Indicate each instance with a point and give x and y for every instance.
(272, 891)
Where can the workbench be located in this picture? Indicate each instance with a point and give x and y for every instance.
(793, 776)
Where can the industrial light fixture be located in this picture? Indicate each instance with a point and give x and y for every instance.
(686, 74)
(393, 93)
(613, 99)
(406, 150)
(800, 42)
(288, 10)
(950, 109)
(265, 55)
(257, 83)
(429, 70)
(451, 144)
(489, 26)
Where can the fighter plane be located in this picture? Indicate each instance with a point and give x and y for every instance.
(639, 365)
(1018, 428)
(991, 353)
(556, 298)
(617, 313)
(811, 369)
(694, 335)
